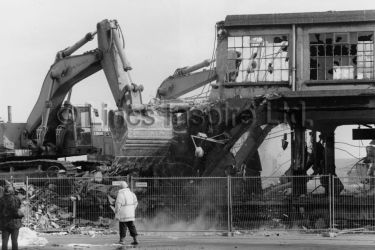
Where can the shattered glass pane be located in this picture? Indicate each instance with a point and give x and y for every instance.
(345, 49)
(277, 40)
(317, 38)
(345, 55)
(365, 36)
(353, 49)
(337, 50)
(341, 37)
(329, 38)
(329, 50)
(329, 68)
(337, 61)
(263, 57)
(321, 50)
(353, 60)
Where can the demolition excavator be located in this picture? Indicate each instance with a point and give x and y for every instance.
(55, 128)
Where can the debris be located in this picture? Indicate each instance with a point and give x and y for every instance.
(320, 223)
(50, 202)
(329, 234)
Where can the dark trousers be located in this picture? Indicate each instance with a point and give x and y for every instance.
(5, 238)
(130, 225)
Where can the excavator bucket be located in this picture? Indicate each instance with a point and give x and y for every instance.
(138, 134)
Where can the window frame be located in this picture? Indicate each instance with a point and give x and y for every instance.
(258, 31)
(304, 59)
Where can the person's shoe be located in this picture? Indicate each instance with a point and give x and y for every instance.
(134, 243)
(122, 241)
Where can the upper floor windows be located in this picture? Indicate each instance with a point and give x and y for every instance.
(262, 58)
(341, 56)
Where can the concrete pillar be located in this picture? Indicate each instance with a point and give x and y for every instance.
(313, 144)
(329, 167)
(329, 137)
(298, 161)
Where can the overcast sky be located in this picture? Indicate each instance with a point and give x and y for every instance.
(160, 36)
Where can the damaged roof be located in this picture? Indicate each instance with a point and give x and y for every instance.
(300, 18)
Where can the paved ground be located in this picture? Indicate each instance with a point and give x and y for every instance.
(159, 242)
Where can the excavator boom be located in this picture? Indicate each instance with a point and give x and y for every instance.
(70, 69)
(62, 76)
(185, 80)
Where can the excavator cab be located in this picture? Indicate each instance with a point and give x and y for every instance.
(84, 127)
(74, 135)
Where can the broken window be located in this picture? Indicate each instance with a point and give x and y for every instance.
(340, 56)
(258, 58)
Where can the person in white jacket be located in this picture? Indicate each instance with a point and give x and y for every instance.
(126, 203)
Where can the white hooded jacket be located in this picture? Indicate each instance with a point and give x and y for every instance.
(126, 203)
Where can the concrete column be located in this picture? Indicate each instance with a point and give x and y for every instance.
(329, 137)
(329, 167)
(298, 161)
(313, 144)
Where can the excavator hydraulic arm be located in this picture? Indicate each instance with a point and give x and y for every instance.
(70, 69)
(185, 80)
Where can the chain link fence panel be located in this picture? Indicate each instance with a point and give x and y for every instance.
(192, 204)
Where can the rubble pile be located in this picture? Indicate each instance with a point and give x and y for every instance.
(60, 204)
(42, 211)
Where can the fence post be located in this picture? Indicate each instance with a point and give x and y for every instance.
(74, 210)
(333, 201)
(27, 202)
(330, 202)
(131, 182)
(229, 199)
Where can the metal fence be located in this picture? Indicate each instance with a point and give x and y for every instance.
(191, 204)
(354, 208)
